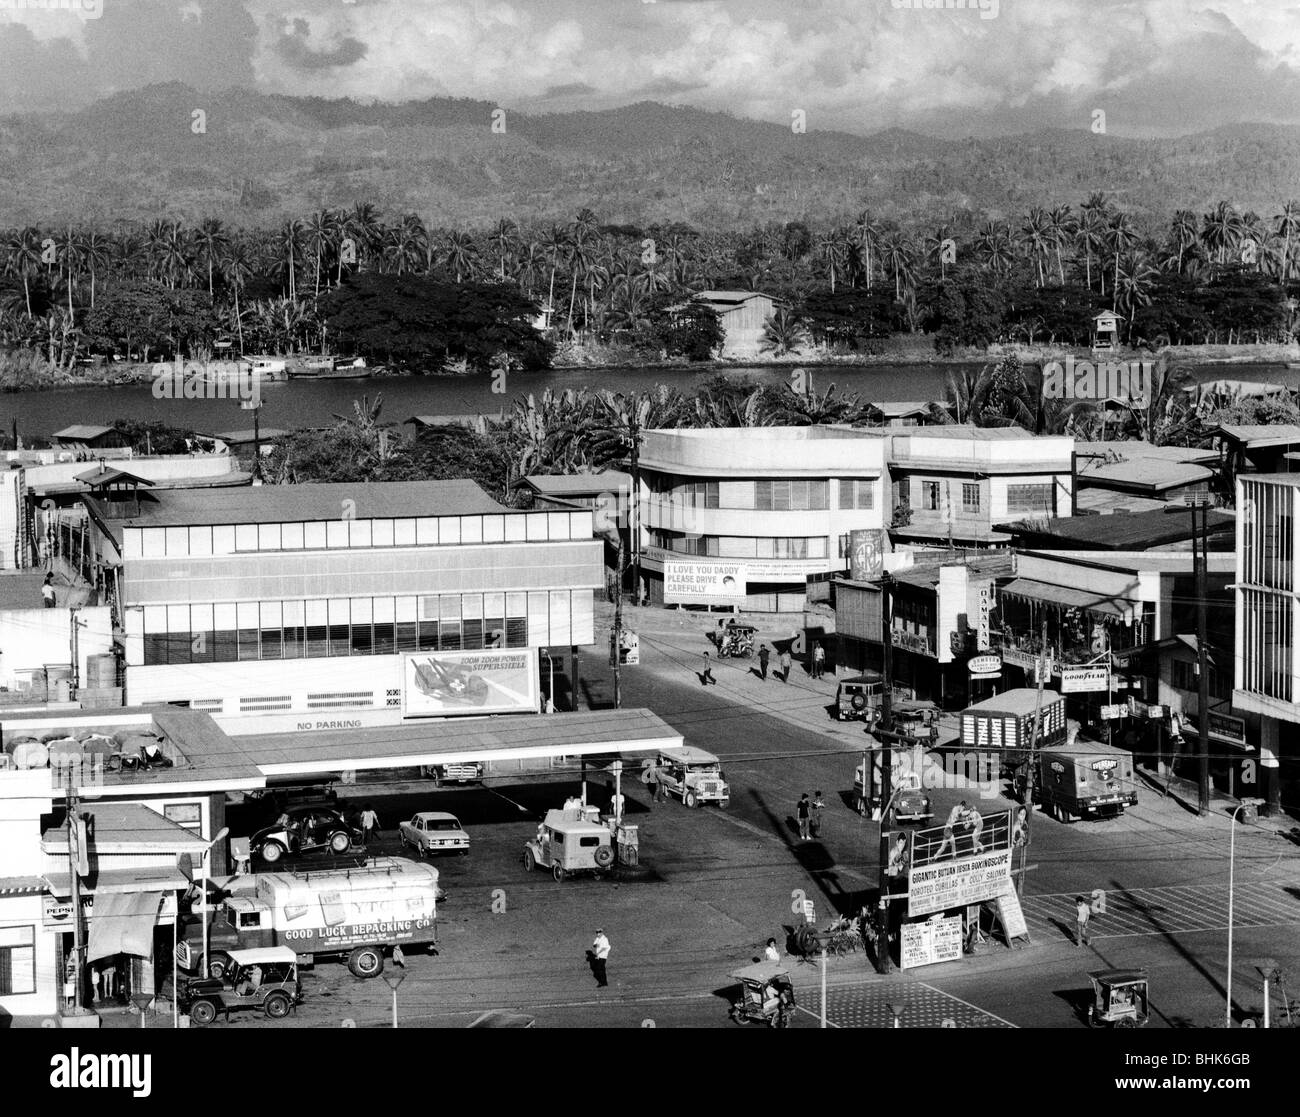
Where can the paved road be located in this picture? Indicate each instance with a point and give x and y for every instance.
(725, 880)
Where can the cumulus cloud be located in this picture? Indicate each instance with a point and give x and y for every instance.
(1154, 66)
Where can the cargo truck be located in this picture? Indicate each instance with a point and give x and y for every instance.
(356, 914)
(1085, 779)
(1004, 724)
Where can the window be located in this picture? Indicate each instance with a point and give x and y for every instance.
(970, 497)
(930, 496)
(857, 493)
(1031, 499)
(17, 960)
(789, 496)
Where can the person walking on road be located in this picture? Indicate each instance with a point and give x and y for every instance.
(803, 812)
(819, 660)
(706, 676)
(785, 666)
(815, 820)
(764, 654)
(47, 592)
(1081, 917)
(369, 824)
(599, 956)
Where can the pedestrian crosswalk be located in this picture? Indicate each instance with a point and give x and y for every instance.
(921, 1005)
(1165, 910)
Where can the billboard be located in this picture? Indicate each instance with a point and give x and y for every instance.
(495, 681)
(686, 582)
(923, 944)
(866, 553)
(954, 884)
(1080, 680)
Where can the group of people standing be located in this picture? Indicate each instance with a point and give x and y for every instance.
(808, 813)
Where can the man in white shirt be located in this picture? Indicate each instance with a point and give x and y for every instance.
(600, 955)
(771, 954)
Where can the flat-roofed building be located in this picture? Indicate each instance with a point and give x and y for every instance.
(275, 599)
(961, 484)
(749, 517)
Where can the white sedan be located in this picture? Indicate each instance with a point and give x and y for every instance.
(434, 832)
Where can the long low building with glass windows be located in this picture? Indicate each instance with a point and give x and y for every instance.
(382, 600)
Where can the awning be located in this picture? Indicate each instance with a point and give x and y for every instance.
(123, 924)
(1068, 598)
(109, 882)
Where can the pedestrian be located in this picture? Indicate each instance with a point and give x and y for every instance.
(47, 592)
(764, 654)
(819, 660)
(815, 821)
(707, 676)
(369, 824)
(949, 838)
(616, 802)
(661, 788)
(803, 812)
(771, 954)
(399, 958)
(785, 666)
(599, 956)
(1081, 917)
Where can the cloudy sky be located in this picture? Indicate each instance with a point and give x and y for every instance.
(1155, 67)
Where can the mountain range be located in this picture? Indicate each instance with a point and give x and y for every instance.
(252, 159)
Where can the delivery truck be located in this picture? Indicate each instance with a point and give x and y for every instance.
(1004, 724)
(1085, 779)
(357, 914)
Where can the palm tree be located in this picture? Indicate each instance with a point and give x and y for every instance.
(1061, 227)
(503, 237)
(1037, 233)
(1120, 237)
(289, 242)
(320, 231)
(782, 332)
(1287, 224)
(829, 247)
(1093, 223)
(210, 239)
(22, 257)
(868, 235)
(1182, 236)
(555, 242)
(1167, 416)
(1220, 230)
(461, 253)
(363, 227)
(994, 241)
(1133, 287)
(69, 255)
(786, 407)
(236, 270)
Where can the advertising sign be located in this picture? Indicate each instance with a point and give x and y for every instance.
(866, 553)
(984, 665)
(923, 944)
(1012, 915)
(1113, 713)
(1078, 680)
(685, 582)
(954, 884)
(442, 684)
(55, 913)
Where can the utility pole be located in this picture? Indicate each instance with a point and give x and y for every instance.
(1200, 560)
(633, 510)
(886, 763)
(77, 858)
(1033, 758)
(616, 639)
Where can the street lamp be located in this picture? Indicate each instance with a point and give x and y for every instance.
(206, 850)
(1248, 805)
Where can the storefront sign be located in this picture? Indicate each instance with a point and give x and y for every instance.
(1027, 661)
(687, 582)
(443, 684)
(58, 913)
(1078, 680)
(982, 632)
(912, 642)
(954, 884)
(1112, 713)
(1228, 727)
(984, 665)
(924, 944)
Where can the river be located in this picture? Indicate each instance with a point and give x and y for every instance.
(305, 403)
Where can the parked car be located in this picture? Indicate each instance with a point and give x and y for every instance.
(570, 841)
(434, 832)
(265, 979)
(304, 830)
(694, 775)
(466, 772)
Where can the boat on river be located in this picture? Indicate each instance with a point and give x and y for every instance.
(329, 367)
